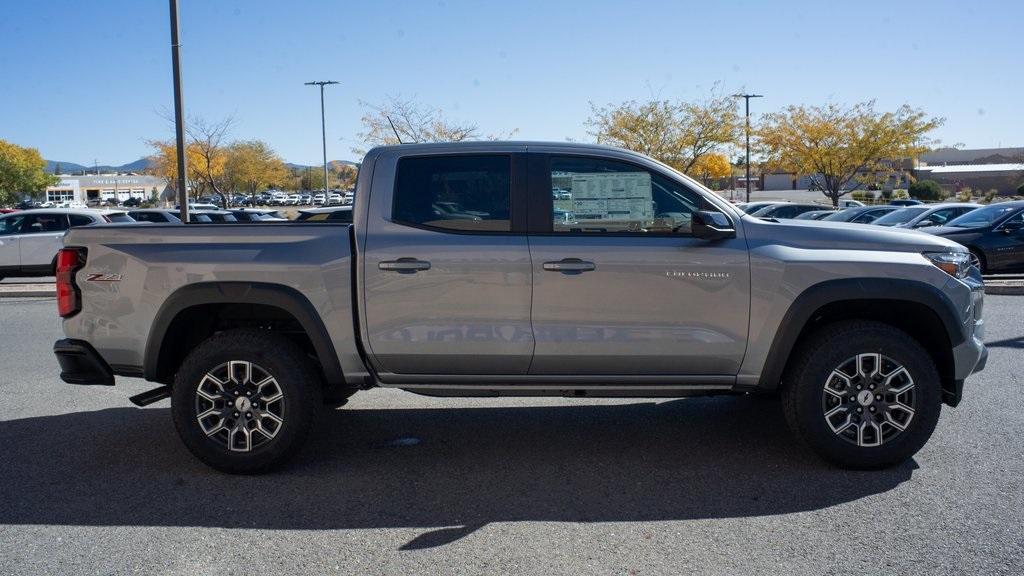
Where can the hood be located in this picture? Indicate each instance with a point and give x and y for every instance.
(832, 235)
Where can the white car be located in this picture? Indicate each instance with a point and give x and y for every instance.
(30, 239)
(335, 198)
(319, 199)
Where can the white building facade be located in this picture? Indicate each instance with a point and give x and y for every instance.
(95, 188)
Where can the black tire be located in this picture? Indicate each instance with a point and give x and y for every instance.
(804, 395)
(301, 401)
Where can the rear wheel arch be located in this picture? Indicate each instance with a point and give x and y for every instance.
(914, 307)
(195, 312)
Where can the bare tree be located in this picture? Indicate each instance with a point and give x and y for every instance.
(404, 120)
(210, 140)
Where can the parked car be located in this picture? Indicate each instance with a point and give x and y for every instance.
(155, 215)
(256, 215)
(335, 199)
(7, 210)
(337, 214)
(905, 202)
(195, 206)
(860, 215)
(925, 215)
(785, 210)
(275, 321)
(30, 239)
(994, 234)
(215, 216)
(319, 199)
(850, 203)
(815, 214)
(751, 207)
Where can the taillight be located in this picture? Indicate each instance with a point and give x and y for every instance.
(69, 298)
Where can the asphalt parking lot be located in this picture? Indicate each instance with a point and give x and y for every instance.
(396, 484)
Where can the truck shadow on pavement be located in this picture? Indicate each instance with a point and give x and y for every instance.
(447, 470)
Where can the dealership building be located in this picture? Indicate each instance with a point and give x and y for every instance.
(109, 187)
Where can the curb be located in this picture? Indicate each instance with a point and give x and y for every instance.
(28, 291)
(1005, 289)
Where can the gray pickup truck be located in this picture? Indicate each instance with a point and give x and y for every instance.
(527, 269)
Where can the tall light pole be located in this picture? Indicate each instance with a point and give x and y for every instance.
(746, 98)
(323, 125)
(179, 114)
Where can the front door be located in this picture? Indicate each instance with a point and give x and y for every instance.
(42, 235)
(446, 270)
(1006, 244)
(620, 285)
(10, 255)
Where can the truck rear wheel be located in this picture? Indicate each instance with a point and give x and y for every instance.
(863, 395)
(244, 401)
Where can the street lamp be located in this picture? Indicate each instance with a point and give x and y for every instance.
(746, 98)
(179, 114)
(323, 125)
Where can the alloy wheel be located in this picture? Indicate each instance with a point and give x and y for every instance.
(239, 405)
(868, 399)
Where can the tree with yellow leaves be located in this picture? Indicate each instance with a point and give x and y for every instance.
(711, 166)
(22, 171)
(841, 147)
(252, 164)
(676, 133)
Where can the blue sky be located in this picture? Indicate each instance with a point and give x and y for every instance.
(85, 80)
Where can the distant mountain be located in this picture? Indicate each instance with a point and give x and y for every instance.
(142, 164)
(333, 163)
(139, 165)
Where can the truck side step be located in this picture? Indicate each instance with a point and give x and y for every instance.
(154, 395)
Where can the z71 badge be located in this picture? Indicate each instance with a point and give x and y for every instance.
(103, 278)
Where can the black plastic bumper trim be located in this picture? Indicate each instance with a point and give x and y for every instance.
(81, 364)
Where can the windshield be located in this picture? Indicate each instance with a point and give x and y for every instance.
(982, 216)
(900, 216)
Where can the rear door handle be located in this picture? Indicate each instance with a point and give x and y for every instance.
(404, 265)
(570, 266)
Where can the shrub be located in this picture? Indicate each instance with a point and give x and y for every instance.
(925, 190)
(900, 194)
(990, 195)
(964, 195)
(1020, 189)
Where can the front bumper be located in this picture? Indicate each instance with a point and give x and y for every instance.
(81, 364)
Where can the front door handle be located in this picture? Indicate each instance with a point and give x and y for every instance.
(570, 266)
(404, 265)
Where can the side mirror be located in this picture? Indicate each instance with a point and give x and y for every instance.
(711, 225)
(924, 223)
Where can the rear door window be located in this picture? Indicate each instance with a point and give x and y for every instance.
(43, 223)
(459, 193)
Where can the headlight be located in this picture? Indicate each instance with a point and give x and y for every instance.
(956, 264)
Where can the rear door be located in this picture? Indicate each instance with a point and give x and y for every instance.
(446, 266)
(41, 237)
(620, 284)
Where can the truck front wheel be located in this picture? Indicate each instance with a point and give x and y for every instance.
(244, 401)
(863, 395)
